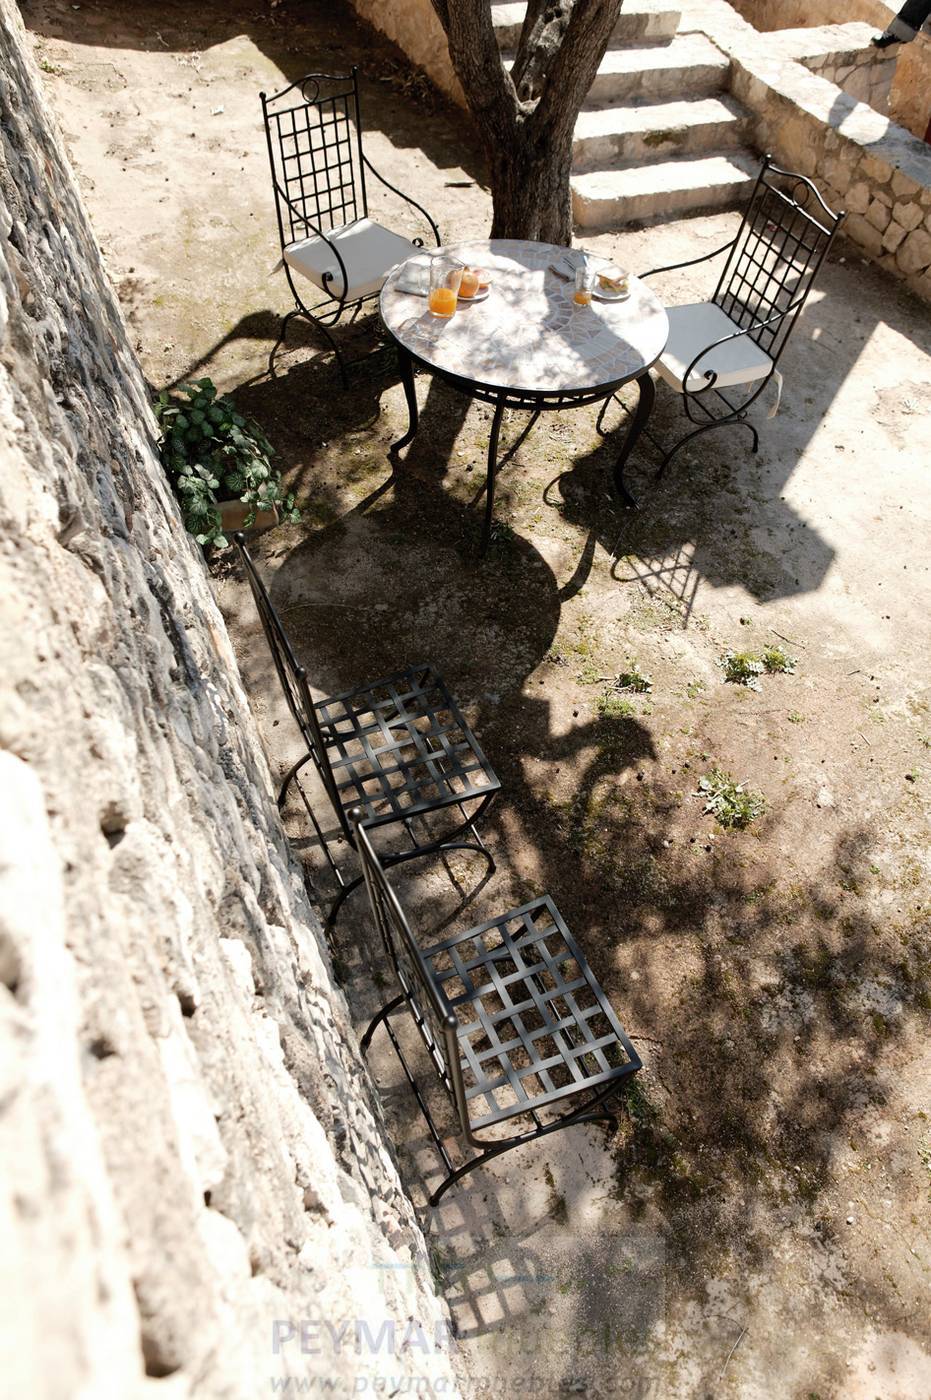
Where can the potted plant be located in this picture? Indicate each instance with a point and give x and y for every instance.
(218, 463)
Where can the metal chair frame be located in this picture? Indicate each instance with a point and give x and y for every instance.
(764, 301)
(321, 186)
(530, 1024)
(370, 755)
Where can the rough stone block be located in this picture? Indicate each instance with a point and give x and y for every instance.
(863, 234)
(836, 171)
(902, 186)
(908, 215)
(878, 215)
(858, 197)
(876, 169)
(914, 255)
(893, 236)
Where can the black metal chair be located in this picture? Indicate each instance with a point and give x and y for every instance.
(398, 749)
(512, 1016)
(735, 340)
(318, 171)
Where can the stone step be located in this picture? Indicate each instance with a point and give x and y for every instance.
(607, 136)
(645, 192)
(688, 66)
(639, 19)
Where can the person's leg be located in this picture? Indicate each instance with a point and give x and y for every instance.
(906, 24)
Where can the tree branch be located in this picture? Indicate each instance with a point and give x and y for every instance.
(575, 63)
(532, 45)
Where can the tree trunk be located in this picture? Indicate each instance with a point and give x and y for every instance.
(530, 188)
(526, 117)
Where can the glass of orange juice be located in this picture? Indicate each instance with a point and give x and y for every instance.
(584, 282)
(445, 277)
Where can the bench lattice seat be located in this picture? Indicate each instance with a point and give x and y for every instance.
(514, 1020)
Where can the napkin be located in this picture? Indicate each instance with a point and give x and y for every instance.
(414, 276)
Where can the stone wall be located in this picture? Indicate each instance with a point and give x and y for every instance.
(910, 95)
(865, 76)
(794, 14)
(190, 1151)
(860, 160)
(414, 27)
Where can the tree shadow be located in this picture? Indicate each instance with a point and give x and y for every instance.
(770, 1012)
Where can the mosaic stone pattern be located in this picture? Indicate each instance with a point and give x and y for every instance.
(529, 334)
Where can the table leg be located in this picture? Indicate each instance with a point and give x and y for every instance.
(492, 473)
(647, 393)
(406, 365)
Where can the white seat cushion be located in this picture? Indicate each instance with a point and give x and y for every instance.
(368, 251)
(693, 327)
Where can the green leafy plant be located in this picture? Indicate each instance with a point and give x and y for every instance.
(213, 453)
(733, 805)
(633, 679)
(776, 660)
(742, 668)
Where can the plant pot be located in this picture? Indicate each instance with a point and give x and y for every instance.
(233, 513)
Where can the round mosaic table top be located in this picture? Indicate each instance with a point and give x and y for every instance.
(529, 335)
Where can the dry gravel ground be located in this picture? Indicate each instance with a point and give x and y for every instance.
(759, 1225)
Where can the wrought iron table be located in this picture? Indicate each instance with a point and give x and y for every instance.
(528, 345)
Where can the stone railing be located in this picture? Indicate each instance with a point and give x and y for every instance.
(861, 160)
(842, 54)
(911, 81)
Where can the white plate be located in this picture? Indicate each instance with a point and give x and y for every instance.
(604, 295)
(479, 296)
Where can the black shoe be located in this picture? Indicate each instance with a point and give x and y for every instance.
(883, 41)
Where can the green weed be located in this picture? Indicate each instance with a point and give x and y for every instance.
(777, 661)
(733, 805)
(742, 668)
(633, 679)
(613, 706)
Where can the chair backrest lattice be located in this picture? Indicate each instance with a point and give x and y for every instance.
(293, 679)
(314, 135)
(783, 239)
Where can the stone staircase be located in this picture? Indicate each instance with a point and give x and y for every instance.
(658, 135)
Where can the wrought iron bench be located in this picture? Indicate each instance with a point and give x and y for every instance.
(514, 1021)
(397, 749)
